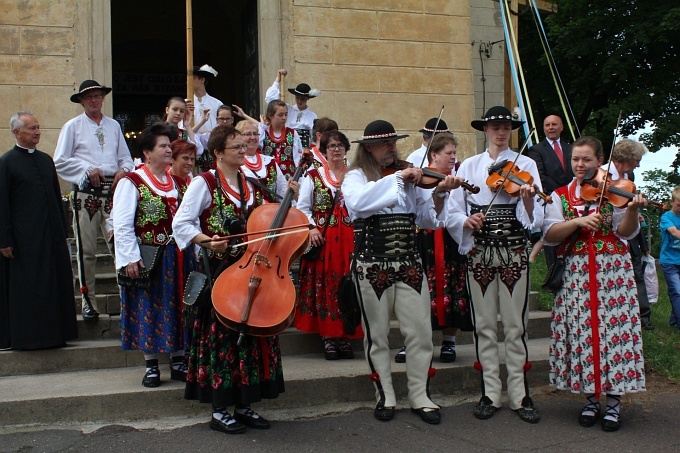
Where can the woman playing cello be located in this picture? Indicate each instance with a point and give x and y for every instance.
(219, 202)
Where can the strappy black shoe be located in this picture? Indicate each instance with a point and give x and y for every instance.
(485, 409)
(227, 424)
(250, 418)
(590, 412)
(528, 412)
(612, 417)
(152, 378)
(330, 350)
(178, 370)
(345, 349)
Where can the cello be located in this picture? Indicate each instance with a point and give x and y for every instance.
(256, 295)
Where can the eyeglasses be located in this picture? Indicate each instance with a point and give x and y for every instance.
(334, 147)
(91, 97)
(226, 120)
(250, 134)
(241, 146)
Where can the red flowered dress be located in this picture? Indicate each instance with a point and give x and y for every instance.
(595, 341)
(317, 307)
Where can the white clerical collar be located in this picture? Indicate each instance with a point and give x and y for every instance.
(30, 151)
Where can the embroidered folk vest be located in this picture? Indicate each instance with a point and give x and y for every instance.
(282, 151)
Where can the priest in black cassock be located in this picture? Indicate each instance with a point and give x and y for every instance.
(37, 306)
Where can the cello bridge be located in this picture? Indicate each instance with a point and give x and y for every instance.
(262, 259)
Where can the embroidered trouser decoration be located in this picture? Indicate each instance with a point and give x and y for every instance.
(498, 279)
(395, 292)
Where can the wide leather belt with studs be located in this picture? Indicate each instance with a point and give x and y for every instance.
(388, 237)
(500, 228)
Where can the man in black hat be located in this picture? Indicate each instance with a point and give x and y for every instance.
(92, 154)
(202, 100)
(416, 157)
(389, 272)
(492, 229)
(300, 117)
(36, 282)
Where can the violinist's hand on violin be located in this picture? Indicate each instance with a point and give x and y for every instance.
(638, 200)
(449, 183)
(592, 222)
(474, 222)
(527, 191)
(132, 269)
(315, 237)
(411, 174)
(217, 244)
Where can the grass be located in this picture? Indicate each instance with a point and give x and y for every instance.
(661, 345)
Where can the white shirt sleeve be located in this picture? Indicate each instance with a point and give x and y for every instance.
(186, 225)
(68, 167)
(306, 198)
(273, 92)
(125, 200)
(426, 215)
(364, 198)
(297, 148)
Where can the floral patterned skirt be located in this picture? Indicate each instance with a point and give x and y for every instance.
(601, 353)
(223, 373)
(151, 318)
(317, 306)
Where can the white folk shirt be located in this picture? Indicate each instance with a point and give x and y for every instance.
(416, 157)
(187, 225)
(206, 102)
(389, 195)
(83, 146)
(475, 170)
(262, 172)
(305, 201)
(297, 119)
(125, 201)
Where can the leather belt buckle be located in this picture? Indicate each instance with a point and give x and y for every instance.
(500, 226)
(500, 233)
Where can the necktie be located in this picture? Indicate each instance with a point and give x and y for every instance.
(558, 151)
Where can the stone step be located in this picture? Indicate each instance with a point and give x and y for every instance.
(105, 264)
(99, 347)
(105, 283)
(116, 394)
(108, 304)
(102, 248)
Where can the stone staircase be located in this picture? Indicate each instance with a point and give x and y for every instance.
(94, 380)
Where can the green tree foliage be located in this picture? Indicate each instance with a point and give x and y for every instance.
(612, 55)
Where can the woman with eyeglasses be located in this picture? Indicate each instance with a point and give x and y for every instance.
(257, 165)
(321, 126)
(321, 200)
(218, 203)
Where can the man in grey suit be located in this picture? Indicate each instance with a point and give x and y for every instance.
(553, 159)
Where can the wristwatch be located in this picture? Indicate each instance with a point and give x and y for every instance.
(125, 169)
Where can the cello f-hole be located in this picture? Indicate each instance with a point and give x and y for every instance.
(278, 268)
(243, 266)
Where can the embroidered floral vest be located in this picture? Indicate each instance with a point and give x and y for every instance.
(604, 240)
(282, 151)
(322, 199)
(153, 218)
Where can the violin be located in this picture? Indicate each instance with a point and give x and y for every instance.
(619, 193)
(255, 295)
(507, 176)
(430, 179)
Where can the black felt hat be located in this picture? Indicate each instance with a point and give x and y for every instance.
(429, 126)
(377, 131)
(87, 86)
(498, 113)
(304, 91)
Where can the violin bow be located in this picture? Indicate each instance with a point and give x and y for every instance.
(505, 176)
(609, 165)
(427, 150)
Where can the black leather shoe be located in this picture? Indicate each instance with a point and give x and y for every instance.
(447, 353)
(251, 419)
(528, 412)
(401, 355)
(590, 413)
(485, 409)
(428, 415)
(178, 372)
(90, 314)
(152, 378)
(383, 413)
(227, 424)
